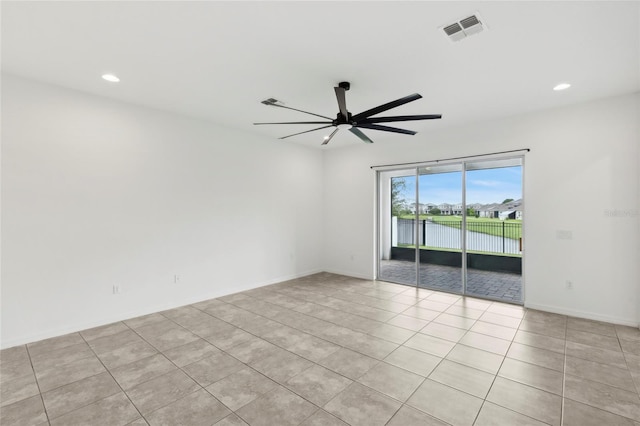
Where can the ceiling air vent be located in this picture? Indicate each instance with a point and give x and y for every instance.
(454, 31)
(464, 27)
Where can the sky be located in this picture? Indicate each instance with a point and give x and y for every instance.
(483, 186)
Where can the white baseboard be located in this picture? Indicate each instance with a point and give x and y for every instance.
(188, 301)
(283, 279)
(46, 334)
(582, 314)
(350, 274)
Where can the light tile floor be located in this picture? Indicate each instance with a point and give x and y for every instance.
(330, 350)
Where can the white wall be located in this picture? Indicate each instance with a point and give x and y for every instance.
(583, 165)
(97, 193)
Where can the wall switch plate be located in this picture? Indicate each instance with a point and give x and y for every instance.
(117, 289)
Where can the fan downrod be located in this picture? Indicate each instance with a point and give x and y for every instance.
(340, 119)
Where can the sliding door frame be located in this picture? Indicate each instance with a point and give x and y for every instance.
(463, 163)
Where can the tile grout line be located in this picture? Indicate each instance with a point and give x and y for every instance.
(246, 365)
(300, 313)
(564, 397)
(284, 385)
(113, 378)
(345, 300)
(44, 407)
(633, 379)
(475, 320)
(418, 387)
(371, 319)
(159, 352)
(564, 383)
(451, 387)
(146, 381)
(259, 337)
(495, 376)
(172, 320)
(314, 363)
(524, 384)
(76, 381)
(52, 368)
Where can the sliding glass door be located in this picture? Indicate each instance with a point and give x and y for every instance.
(440, 227)
(398, 236)
(453, 227)
(494, 229)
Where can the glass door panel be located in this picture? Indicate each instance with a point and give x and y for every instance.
(397, 236)
(494, 229)
(454, 228)
(440, 227)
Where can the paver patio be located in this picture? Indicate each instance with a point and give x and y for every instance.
(502, 286)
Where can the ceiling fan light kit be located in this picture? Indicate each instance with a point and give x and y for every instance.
(364, 120)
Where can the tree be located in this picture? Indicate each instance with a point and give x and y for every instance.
(435, 211)
(508, 200)
(398, 185)
(471, 212)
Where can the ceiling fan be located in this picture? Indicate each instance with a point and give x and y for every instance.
(353, 123)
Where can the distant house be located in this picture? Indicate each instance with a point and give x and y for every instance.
(422, 208)
(445, 209)
(428, 207)
(512, 210)
(489, 211)
(425, 208)
(475, 208)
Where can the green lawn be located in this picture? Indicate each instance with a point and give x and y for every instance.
(509, 228)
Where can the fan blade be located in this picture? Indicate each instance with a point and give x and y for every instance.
(297, 122)
(400, 118)
(361, 135)
(387, 106)
(299, 110)
(342, 101)
(307, 131)
(386, 129)
(328, 138)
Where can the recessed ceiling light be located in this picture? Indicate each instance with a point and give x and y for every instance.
(562, 86)
(110, 77)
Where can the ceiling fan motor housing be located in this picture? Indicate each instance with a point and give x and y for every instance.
(340, 119)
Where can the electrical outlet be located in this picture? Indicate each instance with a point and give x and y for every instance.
(569, 285)
(117, 289)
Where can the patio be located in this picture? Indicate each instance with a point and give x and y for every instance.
(502, 286)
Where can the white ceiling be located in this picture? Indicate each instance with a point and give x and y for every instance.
(218, 60)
